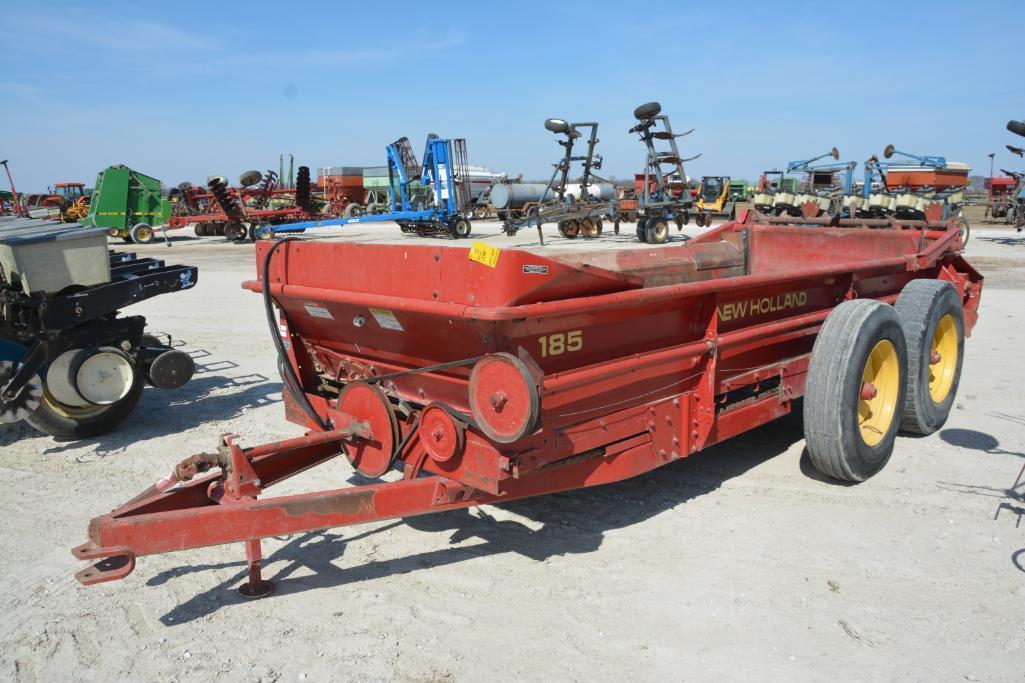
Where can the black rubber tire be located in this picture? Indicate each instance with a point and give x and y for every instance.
(47, 420)
(656, 231)
(615, 227)
(921, 305)
(642, 233)
(833, 387)
(460, 228)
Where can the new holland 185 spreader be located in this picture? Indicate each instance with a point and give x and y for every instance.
(488, 377)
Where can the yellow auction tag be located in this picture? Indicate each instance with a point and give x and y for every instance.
(482, 252)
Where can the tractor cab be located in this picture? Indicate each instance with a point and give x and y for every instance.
(72, 201)
(714, 189)
(69, 192)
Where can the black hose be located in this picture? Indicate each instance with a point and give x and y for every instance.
(290, 379)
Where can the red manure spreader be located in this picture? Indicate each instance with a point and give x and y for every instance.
(485, 376)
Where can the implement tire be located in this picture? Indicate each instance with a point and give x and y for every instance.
(855, 391)
(933, 321)
(67, 422)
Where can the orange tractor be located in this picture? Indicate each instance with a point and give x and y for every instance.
(69, 200)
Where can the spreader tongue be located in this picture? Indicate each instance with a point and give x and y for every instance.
(114, 563)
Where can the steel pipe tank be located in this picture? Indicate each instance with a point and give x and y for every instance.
(515, 195)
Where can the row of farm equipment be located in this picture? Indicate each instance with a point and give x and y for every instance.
(1005, 200)
(442, 194)
(900, 185)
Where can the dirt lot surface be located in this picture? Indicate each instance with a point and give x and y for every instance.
(739, 562)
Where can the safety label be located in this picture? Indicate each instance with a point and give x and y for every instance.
(318, 311)
(386, 319)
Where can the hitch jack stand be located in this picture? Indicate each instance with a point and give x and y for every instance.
(256, 587)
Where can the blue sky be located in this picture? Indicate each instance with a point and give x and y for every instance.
(182, 90)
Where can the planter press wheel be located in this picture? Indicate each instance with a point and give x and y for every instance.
(113, 232)
(503, 398)
(367, 403)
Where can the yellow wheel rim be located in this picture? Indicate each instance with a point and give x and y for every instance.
(943, 359)
(145, 234)
(880, 386)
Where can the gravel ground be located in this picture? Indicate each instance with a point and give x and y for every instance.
(737, 562)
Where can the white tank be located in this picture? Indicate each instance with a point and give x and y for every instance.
(515, 195)
(599, 191)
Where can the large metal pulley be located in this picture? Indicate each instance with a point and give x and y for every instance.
(504, 398)
(372, 456)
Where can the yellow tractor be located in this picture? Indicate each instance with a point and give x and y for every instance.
(714, 200)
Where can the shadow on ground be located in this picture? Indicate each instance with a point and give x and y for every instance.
(987, 443)
(573, 522)
(1006, 241)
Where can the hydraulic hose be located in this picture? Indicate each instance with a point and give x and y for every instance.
(288, 376)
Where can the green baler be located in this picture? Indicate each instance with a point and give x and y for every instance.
(128, 204)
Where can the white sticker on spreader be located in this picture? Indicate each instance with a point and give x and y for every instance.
(386, 319)
(318, 311)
